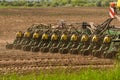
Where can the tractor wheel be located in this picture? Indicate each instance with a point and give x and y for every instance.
(35, 49)
(26, 48)
(9, 46)
(18, 46)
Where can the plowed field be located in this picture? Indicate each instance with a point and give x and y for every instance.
(12, 20)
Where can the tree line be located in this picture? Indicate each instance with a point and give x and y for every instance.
(56, 3)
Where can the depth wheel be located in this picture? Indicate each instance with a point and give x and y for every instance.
(64, 51)
(74, 51)
(26, 48)
(54, 50)
(111, 55)
(35, 49)
(9, 46)
(86, 52)
(18, 47)
(98, 54)
(45, 50)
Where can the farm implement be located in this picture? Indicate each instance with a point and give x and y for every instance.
(101, 40)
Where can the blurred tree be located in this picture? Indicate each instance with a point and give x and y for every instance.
(98, 3)
(56, 3)
(105, 3)
(69, 1)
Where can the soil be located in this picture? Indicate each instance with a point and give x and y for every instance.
(13, 20)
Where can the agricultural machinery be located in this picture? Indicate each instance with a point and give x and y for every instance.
(30, 37)
(101, 41)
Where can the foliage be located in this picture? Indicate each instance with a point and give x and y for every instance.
(61, 74)
(55, 3)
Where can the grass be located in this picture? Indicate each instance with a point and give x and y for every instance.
(2, 7)
(89, 74)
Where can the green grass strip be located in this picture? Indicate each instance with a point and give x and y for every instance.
(89, 74)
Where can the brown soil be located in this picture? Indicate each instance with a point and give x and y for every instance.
(12, 20)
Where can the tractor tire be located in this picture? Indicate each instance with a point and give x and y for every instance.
(9, 46)
(35, 49)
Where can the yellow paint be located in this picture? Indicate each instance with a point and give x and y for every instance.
(19, 34)
(118, 3)
(27, 34)
(95, 38)
(64, 37)
(54, 37)
(44, 36)
(35, 35)
(106, 39)
(74, 37)
(84, 38)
